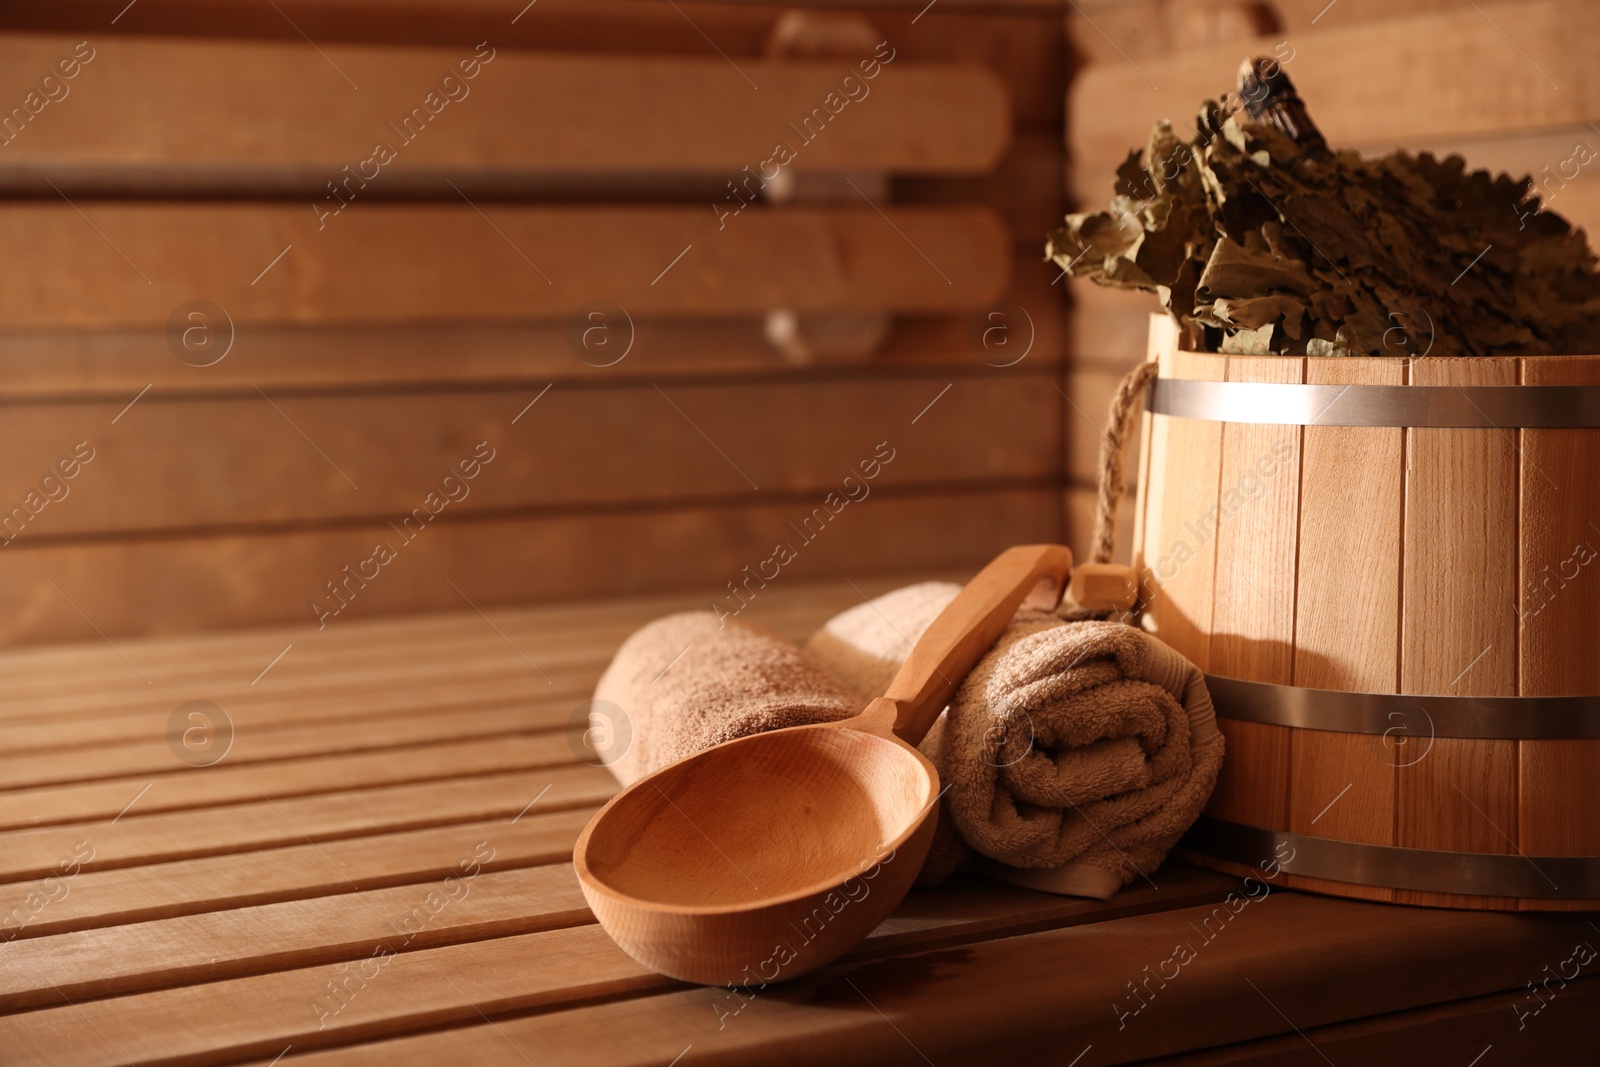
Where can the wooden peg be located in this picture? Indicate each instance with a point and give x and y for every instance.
(1103, 587)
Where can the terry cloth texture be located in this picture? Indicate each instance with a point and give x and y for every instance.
(685, 684)
(1075, 753)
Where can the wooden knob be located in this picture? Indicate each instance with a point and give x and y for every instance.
(1103, 587)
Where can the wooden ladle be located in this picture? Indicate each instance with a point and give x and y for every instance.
(768, 856)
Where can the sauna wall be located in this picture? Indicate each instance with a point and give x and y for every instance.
(270, 380)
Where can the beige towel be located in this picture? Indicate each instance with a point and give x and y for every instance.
(684, 683)
(1075, 754)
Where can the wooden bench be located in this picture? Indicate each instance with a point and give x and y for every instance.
(358, 852)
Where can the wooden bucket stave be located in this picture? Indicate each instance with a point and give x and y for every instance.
(1386, 559)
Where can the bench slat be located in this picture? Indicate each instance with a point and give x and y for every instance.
(259, 1015)
(224, 783)
(1045, 997)
(151, 756)
(293, 872)
(474, 902)
(326, 818)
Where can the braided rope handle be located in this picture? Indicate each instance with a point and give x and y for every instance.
(1124, 409)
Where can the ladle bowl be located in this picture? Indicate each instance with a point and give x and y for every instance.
(765, 857)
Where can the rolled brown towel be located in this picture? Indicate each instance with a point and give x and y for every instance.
(1075, 754)
(686, 683)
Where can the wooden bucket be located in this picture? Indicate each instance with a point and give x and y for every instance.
(1439, 544)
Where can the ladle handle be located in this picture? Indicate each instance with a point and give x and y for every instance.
(968, 627)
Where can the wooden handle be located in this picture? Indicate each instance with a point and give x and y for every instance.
(968, 628)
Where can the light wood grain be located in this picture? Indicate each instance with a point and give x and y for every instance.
(1434, 61)
(219, 883)
(443, 262)
(576, 448)
(1020, 42)
(1253, 605)
(116, 365)
(446, 755)
(1257, 537)
(138, 105)
(268, 822)
(1458, 629)
(1398, 958)
(1163, 336)
(473, 902)
(245, 578)
(933, 999)
(377, 666)
(1558, 624)
(263, 1009)
(1351, 493)
(1180, 546)
(154, 756)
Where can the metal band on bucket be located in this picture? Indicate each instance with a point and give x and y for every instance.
(1484, 406)
(1502, 718)
(1470, 873)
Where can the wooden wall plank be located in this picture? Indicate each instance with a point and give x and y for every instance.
(1080, 523)
(1089, 391)
(1443, 85)
(1115, 31)
(1027, 188)
(1021, 41)
(187, 583)
(114, 365)
(139, 103)
(128, 264)
(579, 447)
(1558, 623)
(1347, 617)
(1256, 534)
(1458, 623)
(1108, 328)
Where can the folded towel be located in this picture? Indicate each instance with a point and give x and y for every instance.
(1075, 754)
(686, 682)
